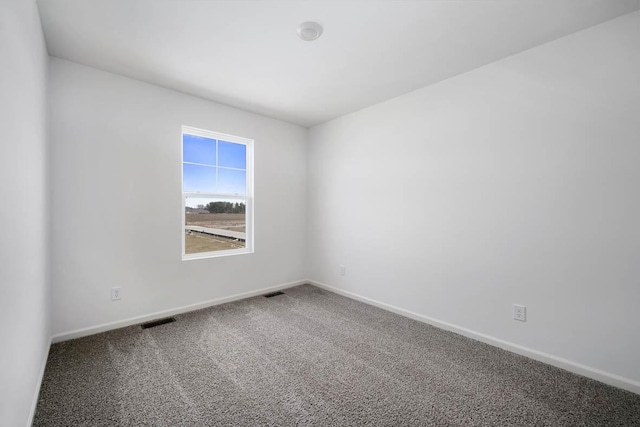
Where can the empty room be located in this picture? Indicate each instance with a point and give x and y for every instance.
(320, 213)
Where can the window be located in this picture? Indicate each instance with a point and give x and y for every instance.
(217, 194)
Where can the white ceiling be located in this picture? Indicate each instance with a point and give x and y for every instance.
(247, 54)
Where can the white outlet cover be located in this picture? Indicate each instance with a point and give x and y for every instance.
(520, 312)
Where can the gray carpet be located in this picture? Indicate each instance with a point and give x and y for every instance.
(311, 357)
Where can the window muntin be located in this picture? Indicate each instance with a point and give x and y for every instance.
(217, 194)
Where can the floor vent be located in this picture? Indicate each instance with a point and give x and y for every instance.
(273, 294)
(158, 322)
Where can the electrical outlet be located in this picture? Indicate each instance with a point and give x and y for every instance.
(343, 270)
(520, 312)
(116, 293)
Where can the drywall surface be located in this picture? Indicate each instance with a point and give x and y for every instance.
(116, 205)
(24, 301)
(517, 182)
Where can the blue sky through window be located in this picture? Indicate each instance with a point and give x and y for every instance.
(212, 179)
(197, 149)
(231, 181)
(199, 179)
(232, 155)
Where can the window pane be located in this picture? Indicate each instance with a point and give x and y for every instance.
(232, 181)
(198, 179)
(232, 155)
(197, 149)
(214, 224)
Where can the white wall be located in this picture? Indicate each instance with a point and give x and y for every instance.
(518, 182)
(24, 300)
(116, 177)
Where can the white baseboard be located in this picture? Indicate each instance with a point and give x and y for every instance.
(559, 362)
(36, 396)
(78, 333)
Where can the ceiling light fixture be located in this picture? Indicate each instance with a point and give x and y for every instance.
(309, 31)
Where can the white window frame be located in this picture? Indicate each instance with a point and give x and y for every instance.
(248, 198)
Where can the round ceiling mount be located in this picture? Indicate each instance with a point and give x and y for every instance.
(309, 31)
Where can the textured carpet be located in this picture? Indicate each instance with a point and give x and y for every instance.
(311, 357)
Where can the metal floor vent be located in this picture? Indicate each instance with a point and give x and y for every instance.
(158, 322)
(273, 294)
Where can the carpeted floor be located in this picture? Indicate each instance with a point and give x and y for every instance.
(311, 357)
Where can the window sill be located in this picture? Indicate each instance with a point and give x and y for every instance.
(216, 254)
